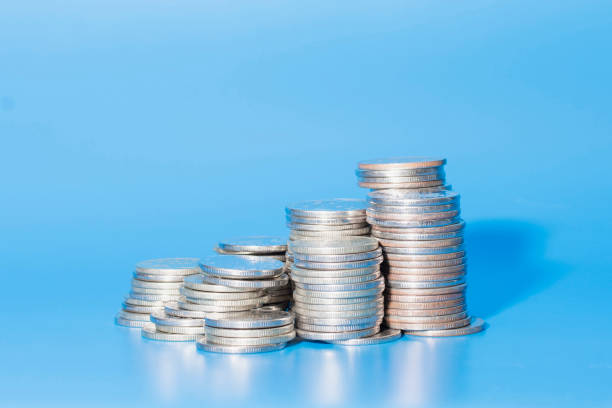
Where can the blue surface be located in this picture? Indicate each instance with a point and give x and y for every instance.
(141, 129)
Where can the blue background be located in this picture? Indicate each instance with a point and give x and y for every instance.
(141, 129)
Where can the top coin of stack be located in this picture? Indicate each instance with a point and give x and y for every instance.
(262, 247)
(155, 282)
(422, 173)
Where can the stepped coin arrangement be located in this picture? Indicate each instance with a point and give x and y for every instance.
(263, 247)
(338, 288)
(251, 332)
(421, 234)
(155, 282)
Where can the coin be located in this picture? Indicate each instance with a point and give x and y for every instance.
(424, 278)
(339, 265)
(391, 304)
(198, 282)
(417, 209)
(444, 297)
(254, 302)
(297, 227)
(424, 257)
(400, 172)
(345, 207)
(162, 319)
(172, 309)
(336, 273)
(328, 235)
(140, 296)
(253, 320)
(139, 302)
(180, 329)
(134, 316)
(373, 284)
(345, 314)
(255, 244)
(426, 312)
(436, 243)
(417, 184)
(476, 325)
(339, 294)
(427, 264)
(411, 217)
(379, 338)
(250, 341)
(137, 283)
(457, 226)
(242, 267)
(423, 285)
(373, 303)
(412, 223)
(250, 333)
(338, 328)
(320, 336)
(325, 221)
(334, 247)
(204, 345)
(413, 198)
(140, 309)
(198, 294)
(388, 179)
(150, 332)
(396, 324)
(215, 307)
(335, 281)
(158, 278)
(359, 256)
(426, 271)
(391, 236)
(168, 266)
(428, 291)
(365, 321)
(401, 163)
(150, 291)
(121, 321)
(277, 282)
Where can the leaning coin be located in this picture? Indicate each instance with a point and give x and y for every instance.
(271, 307)
(337, 273)
(255, 244)
(426, 312)
(424, 257)
(345, 294)
(412, 223)
(417, 184)
(401, 163)
(253, 320)
(204, 345)
(134, 316)
(319, 336)
(376, 283)
(150, 332)
(242, 267)
(325, 221)
(339, 265)
(336, 207)
(395, 324)
(250, 333)
(334, 247)
(200, 282)
(250, 341)
(335, 281)
(162, 319)
(249, 284)
(121, 321)
(359, 256)
(379, 338)
(169, 266)
(429, 291)
(198, 294)
(427, 264)
(172, 309)
(476, 325)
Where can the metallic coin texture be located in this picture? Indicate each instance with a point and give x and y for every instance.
(200, 282)
(161, 318)
(241, 267)
(255, 244)
(250, 333)
(149, 331)
(277, 282)
(476, 325)
(347, 335)
(169, 266)
(337, 207)
(339, 265)
(250, 341)
(253, 320)
(412, 162)
(334, 247)
(204, 345)
(359, 256)
(385, 336)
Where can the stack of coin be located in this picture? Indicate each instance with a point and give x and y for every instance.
(338, 288)
(170, 328)
(155, 283)
(412, 173)
(252, 332)
(263, 247)
(421, 234)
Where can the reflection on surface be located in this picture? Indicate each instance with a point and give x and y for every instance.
(409, 372)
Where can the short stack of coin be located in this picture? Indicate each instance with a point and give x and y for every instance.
(412, 173)
(155, 282)
(338, 288)
(421, 234)
(251, 332)
(264, 247)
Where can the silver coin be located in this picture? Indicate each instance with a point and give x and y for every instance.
(411, 217)
(277, 282)
(336, 207)
(198, 282)
(158, 278)
(413, 198)
(424, 257)
(415, 185)
(426, 312)
(347, 314)
(417, 209)
(253, 320)
(269, 308)
(242, 267)
(329, 266)
(278, 299)
(427, 271)
(401, 163)
(376, 283)
(398, 324)
(335, 281)
(250, 333)
(424, 250)
(337, 328)
(379, 338)
(186, 305)
(425, 278)
(400, 172)
(203, 345)
(366, 321)
(389, 179)
(198, 294)
(121, 321)
(328, 235)
(457, 226)
(382, 236)
(139, 308)
(180, 329)
(434, 243)
(359, 256)
(172, 309)
(404, 188)
(161, 318)
(254, 302)
(319, 336)
(336, 273)
(137, 283)
(151, 291)
(476, 325)
(337, 294)
(326, 228)
(256, 244)
(306, 299)
(325, 221)
(428, 291)
(423, 285)
(149, 331)
(412, 223)
(427, 264)
(349, 245)
(150, 298)
(423, 306)
(375, 303)
(279, 256)
(133, 316)
(432, 299)
(168, 266)
(139, 302)
(250, 341)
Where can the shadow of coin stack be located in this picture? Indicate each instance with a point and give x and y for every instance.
(155, 283)
(415, 218)
(263, 247)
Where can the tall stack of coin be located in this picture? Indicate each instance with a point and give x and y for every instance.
(251, 332)
(155, 282)
(421, 234)
(264, 247)
(338, 288)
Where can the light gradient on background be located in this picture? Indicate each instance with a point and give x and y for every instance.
(140, 129)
